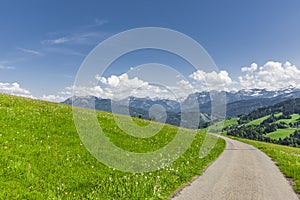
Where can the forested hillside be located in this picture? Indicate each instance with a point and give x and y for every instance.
(279, 124)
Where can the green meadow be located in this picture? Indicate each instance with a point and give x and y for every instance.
(281, 133)
(293, 119)
(42, 156)
(258, 121)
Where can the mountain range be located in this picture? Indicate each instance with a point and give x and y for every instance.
(237, 103)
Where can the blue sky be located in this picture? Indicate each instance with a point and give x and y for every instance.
(43, 43)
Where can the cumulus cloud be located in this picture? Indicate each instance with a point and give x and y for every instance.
(272, 75)
(181, 90)
(212, 80)
(120, 87)
(84, 91)
(53, 98)
(252, 68)
(13, 88)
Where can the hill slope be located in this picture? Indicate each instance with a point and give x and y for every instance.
(42, 156)
(278, 124)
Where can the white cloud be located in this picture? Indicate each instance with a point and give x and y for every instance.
(53, 98)
(79, 38)
(13, 88)
(271, 76)
(84, 91)
(252, 68)
(60, 40)
(6, 67)
(182, 89)
(101, 79)
(120, 87)
(99, 22)
(113, 81)
(30, 51)
(211, 80)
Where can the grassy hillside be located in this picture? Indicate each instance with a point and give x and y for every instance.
(278, 124)
(222, 124)
(229, 122)
(293, 119)
(258, 121)
(42, 157)
(281, 133)
(286, 158)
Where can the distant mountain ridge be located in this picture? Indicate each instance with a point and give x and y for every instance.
(244, 101)
(237, 103)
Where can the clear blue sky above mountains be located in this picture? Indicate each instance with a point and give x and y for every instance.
(43, 43)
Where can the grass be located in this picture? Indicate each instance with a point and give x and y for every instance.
(42, 157)
(286, 158)
(257, 121)
(218, 126)
(230, 121)
(293, 119)
(281, 133)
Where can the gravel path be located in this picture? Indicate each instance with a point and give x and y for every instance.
(242, 172)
